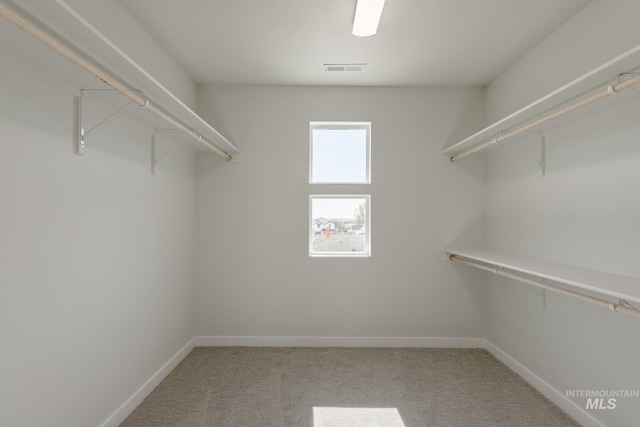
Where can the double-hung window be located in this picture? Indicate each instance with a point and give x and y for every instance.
(340, 221)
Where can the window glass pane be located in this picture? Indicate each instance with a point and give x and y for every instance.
(340, 225)
(339, 155)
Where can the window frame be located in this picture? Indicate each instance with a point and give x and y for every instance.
(367, 226)
(341, 126)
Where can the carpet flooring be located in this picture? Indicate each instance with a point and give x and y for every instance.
(344, 387)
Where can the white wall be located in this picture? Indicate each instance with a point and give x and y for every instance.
(584, 212)
(96, 259)
(254, 275)
(598, 33)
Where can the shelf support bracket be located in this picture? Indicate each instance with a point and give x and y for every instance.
(622, 77)
(78, 140)
(542, 160)
(625, 303)
(80, 132)
(154, 161)
(542, 153)
(541, 292)
(154, 149)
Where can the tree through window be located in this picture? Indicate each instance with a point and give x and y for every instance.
(340, 224)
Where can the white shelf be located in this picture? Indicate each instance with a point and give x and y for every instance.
(598, 78)
(21, 49)
(609, 284)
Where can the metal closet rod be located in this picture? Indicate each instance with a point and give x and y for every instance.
(619, 308)
(610, 90)
(30, 28)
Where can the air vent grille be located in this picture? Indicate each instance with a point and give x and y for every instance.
(344, 67)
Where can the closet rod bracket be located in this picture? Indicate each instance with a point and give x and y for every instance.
(542, 152)
(624, 76)
(155, 158)
(540, 292)
(80, 131)
(543, 297)
(542, 161)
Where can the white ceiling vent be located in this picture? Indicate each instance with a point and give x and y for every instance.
(345, 67)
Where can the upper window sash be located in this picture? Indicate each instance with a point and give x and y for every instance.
(340, 152)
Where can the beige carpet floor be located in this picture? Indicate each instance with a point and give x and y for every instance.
(345, 387)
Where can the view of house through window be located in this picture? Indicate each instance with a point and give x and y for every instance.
(340, 153)
(339, 225)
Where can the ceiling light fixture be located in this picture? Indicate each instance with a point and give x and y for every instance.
(367, 17)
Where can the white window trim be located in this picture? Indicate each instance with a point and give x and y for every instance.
(340, 125)
(367, 236)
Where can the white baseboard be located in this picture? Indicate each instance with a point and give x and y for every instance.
(136, 398)
(567, 405)
(416, 342)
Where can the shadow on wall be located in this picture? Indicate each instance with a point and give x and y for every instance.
(594, 135)
(30, 104)
(209, 162)
(462, 128)
(48, 113)
(470, 236)
(473, 280)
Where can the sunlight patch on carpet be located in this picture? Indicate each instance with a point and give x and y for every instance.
(356, 417)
